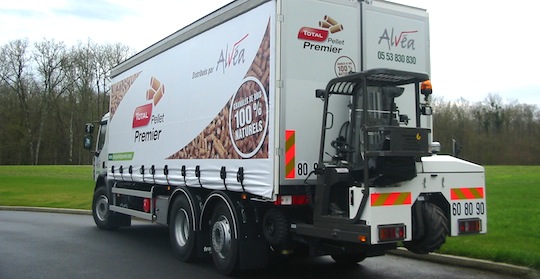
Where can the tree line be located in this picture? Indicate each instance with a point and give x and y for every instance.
(48, 91)
(490, 132)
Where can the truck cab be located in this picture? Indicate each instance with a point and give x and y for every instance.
(100, 147)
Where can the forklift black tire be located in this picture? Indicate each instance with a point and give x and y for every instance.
(435, 229)
(348, 259)
(103, 217)
(275, 226)
(181, 230)
(224, 240)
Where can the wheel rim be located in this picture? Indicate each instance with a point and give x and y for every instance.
(221, 237)
(102, 208)
(181, 227)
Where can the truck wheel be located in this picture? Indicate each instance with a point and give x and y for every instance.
(103, 217)
(182, 232)
(433, 229)
(349, 259)
(224, 243)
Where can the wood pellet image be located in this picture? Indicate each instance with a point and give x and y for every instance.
(215, 141)
(119, 90)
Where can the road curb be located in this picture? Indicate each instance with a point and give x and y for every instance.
(47, 209)
(503, 268)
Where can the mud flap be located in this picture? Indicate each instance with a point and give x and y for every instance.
(253, 253)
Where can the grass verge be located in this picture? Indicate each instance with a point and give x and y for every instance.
(513, 208)
(47, 186)
(513, 203)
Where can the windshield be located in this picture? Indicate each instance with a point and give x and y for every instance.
(381, 111)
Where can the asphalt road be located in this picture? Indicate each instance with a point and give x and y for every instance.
(55, 245)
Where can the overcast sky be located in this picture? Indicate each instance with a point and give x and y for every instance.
(477, 47)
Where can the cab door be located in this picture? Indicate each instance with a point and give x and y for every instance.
(100, 158)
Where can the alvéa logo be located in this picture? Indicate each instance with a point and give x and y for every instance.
(234, 56)
(321, 34)
(142, 116)
(394, 39)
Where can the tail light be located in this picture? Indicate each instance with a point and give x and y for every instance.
(146, 205)
(469, 226)
(292, 200)
(389, 233)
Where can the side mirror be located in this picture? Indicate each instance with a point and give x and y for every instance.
(88, 142)
(403, 118)
(89, 128)
(320, 93)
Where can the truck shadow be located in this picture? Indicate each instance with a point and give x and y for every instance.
(155, 239)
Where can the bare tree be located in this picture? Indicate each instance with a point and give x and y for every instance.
(51, 61)
(82, 59)
(16, 73)
(107, 56)
(46, 81)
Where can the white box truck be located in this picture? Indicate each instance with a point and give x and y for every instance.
(278, 127)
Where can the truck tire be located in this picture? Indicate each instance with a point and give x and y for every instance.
(224, 244)
(103, 217)
(182, 232)
(275, 226)
(349, 259)
(433, 229)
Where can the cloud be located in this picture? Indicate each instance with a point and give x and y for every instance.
(93, 10)
(23, 13)
(527, 94)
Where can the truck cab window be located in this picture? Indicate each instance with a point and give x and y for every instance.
(101, 137)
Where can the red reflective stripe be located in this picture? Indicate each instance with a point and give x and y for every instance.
(453, 194)
(408, 199)
(375, 200)
(479, 192)
(467, 193)
(386, 199)
(289, 162)
(290, 153)
(391, 199)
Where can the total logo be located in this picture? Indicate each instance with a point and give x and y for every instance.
(142, 116)
(320, 34)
